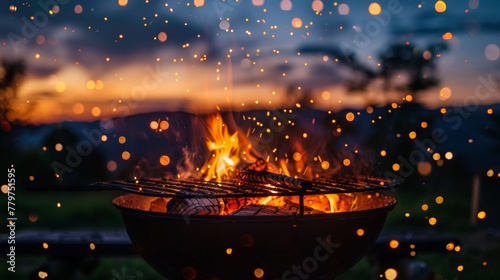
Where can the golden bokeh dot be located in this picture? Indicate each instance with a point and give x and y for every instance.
(447, 36)
(349, 117)
(296, 22)
(346, 162)
(164, 125)
(360, 232)
(458, 248)
(374, 9)
(481, 215)
(424, 124)
(199, 3)
(393, 244)
(162, 36)
(436, 156)
(448, 155)
(229, 251)
(409, 97)
(439, 200)
(383, 153)
(432, 221)
(45, 245)
(58, 147)
(92, 246)
(122, 139)
(444, 93)
(395, 167)
(450, 246)
(460, 268)
(407, 215)
(125, 155)
(258, 273)
(325, 165)
(425, 207)
(42, 274)
(164, 160)
(391, 274)
(297, 156)
(5, 189)
(490, 173)
(412, 135)
(489, 111)
(153, 125)
(122, 2)
(440, 6)
(304, 135)
(96, 111)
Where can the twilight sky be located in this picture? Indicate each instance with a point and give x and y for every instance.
(92, 59)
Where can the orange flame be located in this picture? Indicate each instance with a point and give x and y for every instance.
(224, 148)
(228, 150)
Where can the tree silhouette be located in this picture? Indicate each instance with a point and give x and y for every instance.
(418, 67)
(11, 75)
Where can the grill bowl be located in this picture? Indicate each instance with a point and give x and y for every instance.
(320, 246)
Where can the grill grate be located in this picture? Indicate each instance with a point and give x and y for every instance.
(265, 184)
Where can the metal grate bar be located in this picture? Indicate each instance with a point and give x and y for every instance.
(256, 186)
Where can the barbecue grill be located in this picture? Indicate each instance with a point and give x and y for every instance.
(292, 241)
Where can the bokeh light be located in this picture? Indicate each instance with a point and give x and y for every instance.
(344, 9)
(374, 9)
(390, 274)
(492, 52)
(259, 273)
(162, 36)
(296, 22)
(440, 6)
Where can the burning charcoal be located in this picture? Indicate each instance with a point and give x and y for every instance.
(233, 204)
(261, 210)
(158, 205)
(194, 206)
